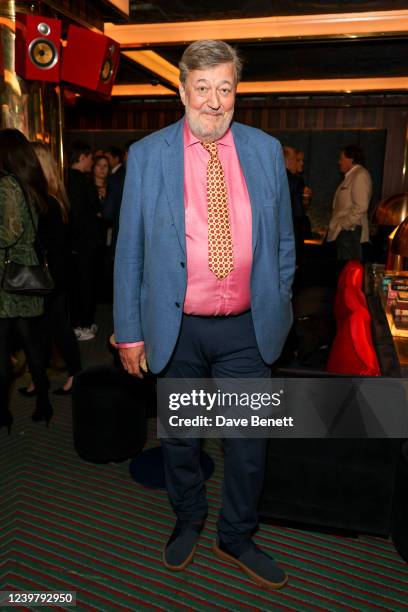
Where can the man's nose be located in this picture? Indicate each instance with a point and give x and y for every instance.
(213, 99)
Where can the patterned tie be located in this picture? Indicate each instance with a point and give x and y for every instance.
(220, 251)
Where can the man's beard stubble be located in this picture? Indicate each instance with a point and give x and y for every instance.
(203, 133)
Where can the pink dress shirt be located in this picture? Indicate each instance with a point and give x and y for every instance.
(206, 295)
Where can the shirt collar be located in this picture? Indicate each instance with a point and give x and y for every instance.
(190, 139)
(351, 170)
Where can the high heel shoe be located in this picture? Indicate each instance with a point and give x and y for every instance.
(43, 413)
(7, 420)
(24, 391)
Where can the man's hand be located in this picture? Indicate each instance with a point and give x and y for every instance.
(134, 360)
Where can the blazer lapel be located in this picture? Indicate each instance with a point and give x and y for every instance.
(173, 176)
(251, 174)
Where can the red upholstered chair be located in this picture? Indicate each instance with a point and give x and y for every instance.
(351, 274)
(348, 299)
(349, 294)
(352, 351)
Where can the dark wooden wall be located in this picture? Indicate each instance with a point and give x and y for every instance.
(128, 118)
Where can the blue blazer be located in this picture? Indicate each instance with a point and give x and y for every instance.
(150, 263)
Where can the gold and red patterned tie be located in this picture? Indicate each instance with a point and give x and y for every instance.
(220, 251)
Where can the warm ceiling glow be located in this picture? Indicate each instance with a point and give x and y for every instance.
(262, 28)
(141, 90)
(156, 63)
(280, 87)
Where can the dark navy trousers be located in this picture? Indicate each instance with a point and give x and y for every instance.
(219, 347)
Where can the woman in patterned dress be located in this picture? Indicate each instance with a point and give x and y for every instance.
(22, 185)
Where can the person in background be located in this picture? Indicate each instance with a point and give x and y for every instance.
(114, 156)
(348, 225)
(85, 239)
(306, 194)
(100, 172)
(101, 175)
(300, 166)
(113, 200)
(300, 162)
(55, 235)
(202, 290)
(296, 198)
(23, 188)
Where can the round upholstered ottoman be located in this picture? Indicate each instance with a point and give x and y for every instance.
(109, 414)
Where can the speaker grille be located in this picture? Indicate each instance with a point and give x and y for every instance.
(43, 53)
(107, 70)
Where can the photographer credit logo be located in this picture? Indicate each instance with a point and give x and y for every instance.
(208, 401)
(232, 407)
(296, 408)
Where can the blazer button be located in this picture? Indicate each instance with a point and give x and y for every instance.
(182, 264)
(177, 304)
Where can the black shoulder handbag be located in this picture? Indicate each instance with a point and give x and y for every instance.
(21, 279)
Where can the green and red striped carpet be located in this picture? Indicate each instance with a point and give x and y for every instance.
(71, 525)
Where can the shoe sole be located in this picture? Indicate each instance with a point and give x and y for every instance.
(250, 573)
(178, 568)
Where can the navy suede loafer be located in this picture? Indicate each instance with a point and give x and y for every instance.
(256, 564)
(180, 548)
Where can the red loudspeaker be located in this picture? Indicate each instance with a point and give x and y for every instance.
(90, 60)
(38, 44)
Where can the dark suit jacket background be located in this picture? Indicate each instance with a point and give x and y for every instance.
(85, 225)
(113, 200)
(55, 237)
(296, 186)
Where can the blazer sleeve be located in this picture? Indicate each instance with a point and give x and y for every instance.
(360, 195)
(129, 257)
(287, 251)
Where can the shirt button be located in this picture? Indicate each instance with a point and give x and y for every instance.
(177, 304)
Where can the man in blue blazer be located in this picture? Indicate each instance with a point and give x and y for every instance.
(203, 272)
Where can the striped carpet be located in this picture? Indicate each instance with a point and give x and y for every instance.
(71, 525)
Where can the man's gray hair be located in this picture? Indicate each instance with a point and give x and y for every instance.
(203, 54)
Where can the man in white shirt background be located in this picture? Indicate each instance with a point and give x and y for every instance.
(349, 221)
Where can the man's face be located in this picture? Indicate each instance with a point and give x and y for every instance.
(113, 161)
(345, 163)
(209, 97)
(290, 161)
(300, 162)
(86, 161)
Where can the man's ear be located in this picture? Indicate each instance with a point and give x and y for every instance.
(182, 92)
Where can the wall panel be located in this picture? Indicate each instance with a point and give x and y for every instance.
(320, 113)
